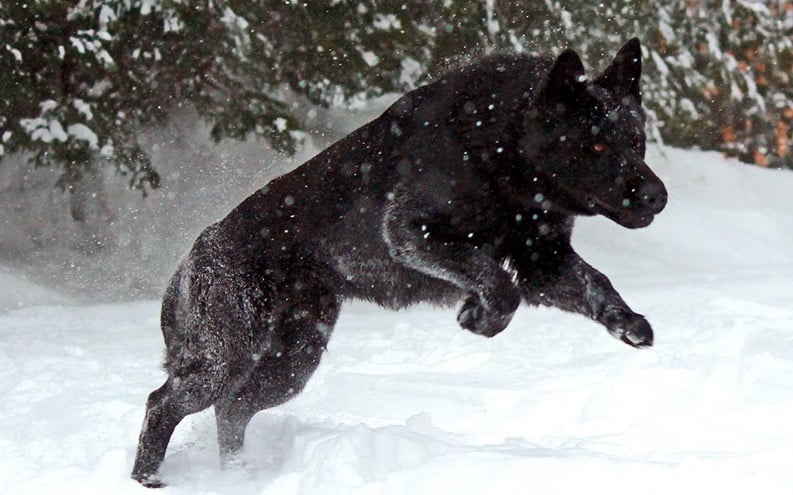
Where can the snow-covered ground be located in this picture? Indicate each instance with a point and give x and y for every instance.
(407, 402)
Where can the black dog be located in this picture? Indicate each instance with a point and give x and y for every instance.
(463, 190)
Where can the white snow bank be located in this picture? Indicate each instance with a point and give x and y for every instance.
(406, 402)
(17, 292)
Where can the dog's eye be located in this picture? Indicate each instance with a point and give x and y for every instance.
(598, 147)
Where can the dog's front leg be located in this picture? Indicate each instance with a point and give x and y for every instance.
(569, 283)
(491, 296)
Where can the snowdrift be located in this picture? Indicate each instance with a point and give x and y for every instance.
(407, 402)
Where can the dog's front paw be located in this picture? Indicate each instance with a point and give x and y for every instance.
(475, 317)
(634, 331)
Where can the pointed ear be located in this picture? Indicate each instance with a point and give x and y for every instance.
(623, 75)
(566, 80)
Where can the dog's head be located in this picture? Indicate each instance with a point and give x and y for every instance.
(585, 141)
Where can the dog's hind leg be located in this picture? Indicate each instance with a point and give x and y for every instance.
(299, 338)
(232, 416)
(165, 408)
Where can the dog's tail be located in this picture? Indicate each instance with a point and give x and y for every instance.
(168, 317)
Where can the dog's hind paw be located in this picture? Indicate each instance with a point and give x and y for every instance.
(148, 480)
(636, 333)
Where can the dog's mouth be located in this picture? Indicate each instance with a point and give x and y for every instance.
(635, 208)
(627, 214)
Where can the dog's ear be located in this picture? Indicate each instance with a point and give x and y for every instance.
(565, 82)
(624, 73)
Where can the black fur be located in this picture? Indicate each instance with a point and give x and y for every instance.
(463, 191)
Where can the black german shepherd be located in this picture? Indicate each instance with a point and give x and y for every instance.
(464, 190)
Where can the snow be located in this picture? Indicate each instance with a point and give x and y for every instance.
(407, 402)
(82, 132)
(386, 22)
(16, 292)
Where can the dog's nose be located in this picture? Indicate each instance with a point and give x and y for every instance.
(652, 195)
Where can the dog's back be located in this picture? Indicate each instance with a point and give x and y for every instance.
(329, 211)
